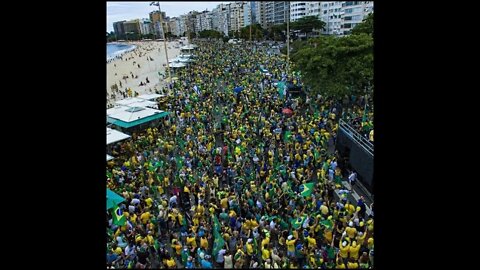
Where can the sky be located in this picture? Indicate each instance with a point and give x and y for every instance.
(119, 11)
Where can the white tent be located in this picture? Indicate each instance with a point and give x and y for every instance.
(114, 136)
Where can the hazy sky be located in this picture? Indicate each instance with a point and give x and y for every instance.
(119, 11)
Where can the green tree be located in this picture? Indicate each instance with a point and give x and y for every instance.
(257, 32)
(278, 32)
(335, 66)
(366, 26)
(307, 24)
(210, 34)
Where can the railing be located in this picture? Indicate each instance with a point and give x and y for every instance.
(356, 137)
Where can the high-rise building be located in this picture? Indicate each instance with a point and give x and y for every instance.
(282, 12)
(313, 9)
(331, 14)
(155, 19)
(119, 29)
(182, 25)
(145, 26)
(353, 13)
(172, 26)
(132, 26)
(221, 18)
(298, 10)
(260, 13)
(269, 13)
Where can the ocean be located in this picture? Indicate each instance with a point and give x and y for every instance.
(115, 49)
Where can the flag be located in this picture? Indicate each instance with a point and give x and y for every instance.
(327, 223)
(316, 154)
(364, 117)
(281, 89)
(197, 90)
(154, 4)
(218, 243)
(118, 217)
(287, 136)
(298, 222)
(216, 224)
(306, 189)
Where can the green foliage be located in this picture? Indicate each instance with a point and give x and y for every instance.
(365, 27)
(277, 32)
(257, 32)
(210, 34)
(307, 24)
(335, 66)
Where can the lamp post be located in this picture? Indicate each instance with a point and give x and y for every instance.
(288, 39)
(164, 36)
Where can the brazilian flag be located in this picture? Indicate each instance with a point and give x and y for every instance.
(118, 217)
(306, 189)
(327, 223)
(218, 243)
(287, 136)
(316, 154)
(297, 222)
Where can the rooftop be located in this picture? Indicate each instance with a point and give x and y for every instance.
(114, 136)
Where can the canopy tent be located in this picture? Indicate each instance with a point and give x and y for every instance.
(150, 96)
(137, 102)
(113, 199)
(135, 116)
(177, 65)
(114, 136)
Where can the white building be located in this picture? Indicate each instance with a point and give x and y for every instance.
(298, 10)
(354, 12)
(181, 25)
(260, 13)
(332, 14)
(145, 26)
(313, 9)
(269, 13)
(236, 16)
(203, 21)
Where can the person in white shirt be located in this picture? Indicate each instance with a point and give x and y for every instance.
(228, 261)
(352, 178)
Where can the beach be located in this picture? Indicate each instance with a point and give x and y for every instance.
(139, 63)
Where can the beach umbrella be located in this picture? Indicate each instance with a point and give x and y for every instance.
(287, 111)
(113, 199)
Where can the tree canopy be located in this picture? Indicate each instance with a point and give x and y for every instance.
(335, 66)
(257, 32)
(366, 26)
(307, 24)
(210, 34)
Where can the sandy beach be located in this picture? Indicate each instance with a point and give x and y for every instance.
(139, 64)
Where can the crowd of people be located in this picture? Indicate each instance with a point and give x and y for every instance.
(230, 180)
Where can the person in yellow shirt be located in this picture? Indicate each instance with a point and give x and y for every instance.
(312, 243)
(352, 264)
(224, 203)
(353, 250)
(191, 241)
(266, 252)
(361, 238)
(177, 247)
(204, 242)
(170, 262)
(290, 246)
(344, 248)
(249, 247)
(351, 230)
(149, 202)
(340, 264)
